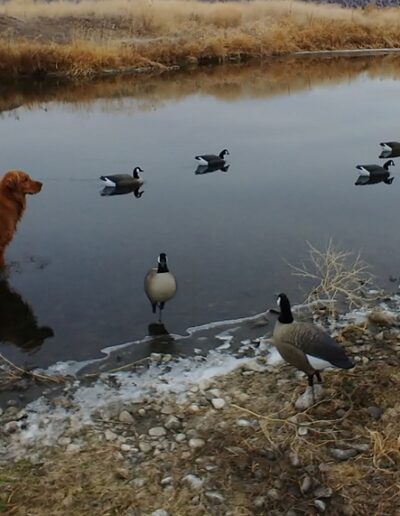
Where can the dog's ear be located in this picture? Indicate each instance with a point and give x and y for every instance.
(11, 181)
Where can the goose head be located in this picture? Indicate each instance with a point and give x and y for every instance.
(136, 171)
(224, 153)
(389, 163)
(285, 315)
(162, 263)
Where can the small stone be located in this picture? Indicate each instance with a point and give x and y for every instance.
(159, 512)
(273, 494)
(125, 447)
(379, 336)
(374, 412)
(259, 502)
(122, 473)
(218, 403)
(109, 435)
(194, 408)
(126, 417)
(342, 454)
(139, 482)
(340, 412)
(294, 460)
(157, 431)
(303, 430)
(167, 410)
(64, 441)
(180, 438)
(141, 412)
(306, 484)
(320, 505)
(11, 427)
(215, 497)
(194, 481)
(145, 447)
(166, 481)
(323, 492)
(73, 448)
(172, 423)
(196, 443)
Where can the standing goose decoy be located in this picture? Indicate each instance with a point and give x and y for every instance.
(306, 346)
(123, 180)
(390, 149)
(160, 284)
(213, 159)
(375, 170)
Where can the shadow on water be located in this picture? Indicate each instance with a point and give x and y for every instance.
(18, 323)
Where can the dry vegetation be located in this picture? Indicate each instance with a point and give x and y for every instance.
(83, 38)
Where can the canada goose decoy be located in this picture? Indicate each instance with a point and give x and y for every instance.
(306, 346)
(390, 149)
(213, 167)
(160, 284)
(208, 159)
(373, 180)
(119, 180)
(376, 170)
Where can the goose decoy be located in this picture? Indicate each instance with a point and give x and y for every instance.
(160, 284)
(306, 346)
(120, 180)
(213, 167)
(376, 170)
(208, 159)
(390, 149)
(373, 180)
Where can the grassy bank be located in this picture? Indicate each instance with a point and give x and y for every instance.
(81, 39)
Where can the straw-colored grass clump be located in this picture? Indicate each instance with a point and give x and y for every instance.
(92, 35)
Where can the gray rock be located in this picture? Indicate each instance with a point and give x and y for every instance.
(125, 447)
(259, 502)
(342, 454)
(126, 417)
(196, 443)
(159, 512)
(157, 431)
(215, 497)
(306, 484)
(193, 481)
(320, 505)
(167, 410)
(374, 412)
(109, 435)
(139, 482)
(180, 438)
(73, 448)
(273, 494)
(172, 423)
(145, 447)
(294, 460)
(218, 403)
(166, 481)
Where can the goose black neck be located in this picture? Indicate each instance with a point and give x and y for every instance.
(387, 164)
(222, 154)
(285, 316)
(162, 267)
(136, 174)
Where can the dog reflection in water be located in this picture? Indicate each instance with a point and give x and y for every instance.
(108, 191)
(18, 324)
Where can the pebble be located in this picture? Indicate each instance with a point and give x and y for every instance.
(180, 438)
(196, 443)
(194, 481)
(159, 512)
(125, 417)
(218, 403)
(303, 430)
(306, 484)
(167, 480)
(122, 473)
(294, 460)
(157, 431)
(323, 492)
(194, 408)
(342, 454)
(10, 427)
(109, 435)
(167, 410)
(73, 448)
(145, 447)
(125, 447)
(215, 497)
(273, 494)
(320, 505)
(64, 441)
(172, 423)
(259, 502)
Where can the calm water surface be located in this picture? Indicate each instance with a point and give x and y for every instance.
(78, 260)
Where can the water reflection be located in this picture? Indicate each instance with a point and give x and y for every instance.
(18, 323)
(122, 190)
(161, 340)
(390, 150)
(373, 180)
(206, 169)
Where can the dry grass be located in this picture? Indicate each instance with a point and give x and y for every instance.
(341, 277)
(83, 38)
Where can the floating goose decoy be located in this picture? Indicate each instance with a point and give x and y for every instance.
(306, 346)
(160, 284)
(213, 167)
(376, 170)
(213, 159)
(373, 180)
(119, 180)
(390, 149)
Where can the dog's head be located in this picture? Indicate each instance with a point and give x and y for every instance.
(20, 182)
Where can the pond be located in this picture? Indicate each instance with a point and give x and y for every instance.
(295, 129)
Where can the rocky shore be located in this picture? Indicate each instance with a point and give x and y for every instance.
(218, 433)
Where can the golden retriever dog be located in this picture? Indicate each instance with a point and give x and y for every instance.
(14, 186)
